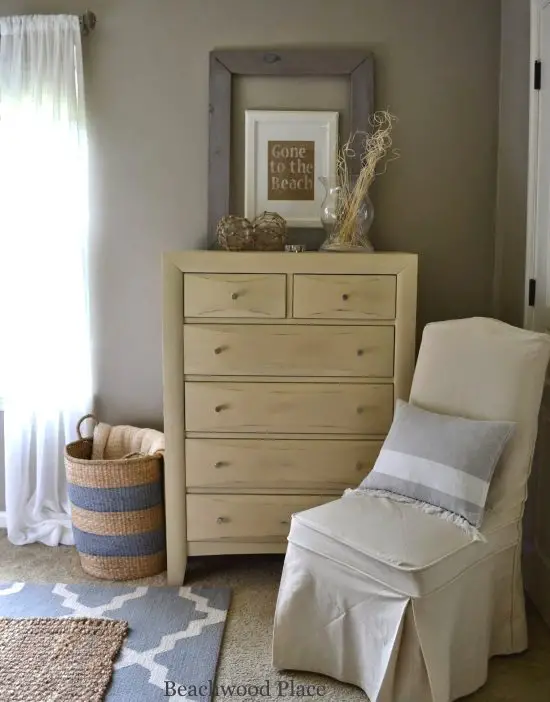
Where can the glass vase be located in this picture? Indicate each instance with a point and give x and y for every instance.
(339, 237)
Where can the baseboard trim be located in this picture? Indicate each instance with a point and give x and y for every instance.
(3, 520)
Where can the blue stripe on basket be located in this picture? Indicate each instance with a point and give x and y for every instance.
(120, 499)
(117, 546)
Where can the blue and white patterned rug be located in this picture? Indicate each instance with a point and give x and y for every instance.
(174, 634)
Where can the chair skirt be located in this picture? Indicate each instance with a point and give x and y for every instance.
(335, 620)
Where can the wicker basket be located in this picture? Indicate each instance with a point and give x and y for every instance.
(116, 505)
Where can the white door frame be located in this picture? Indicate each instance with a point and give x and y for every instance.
(532, 206)
(536, 562)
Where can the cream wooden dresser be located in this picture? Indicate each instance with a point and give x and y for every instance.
(280, 376)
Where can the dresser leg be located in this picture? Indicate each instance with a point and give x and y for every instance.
(176, 571)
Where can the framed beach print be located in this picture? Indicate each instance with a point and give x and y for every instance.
(286, 154)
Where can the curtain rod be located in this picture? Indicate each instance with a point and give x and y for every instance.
(88, 22)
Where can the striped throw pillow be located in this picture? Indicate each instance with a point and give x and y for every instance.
(441, 460)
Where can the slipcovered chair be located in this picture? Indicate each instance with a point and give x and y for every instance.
(400, 602)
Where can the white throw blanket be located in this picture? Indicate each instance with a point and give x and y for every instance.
(125, 441)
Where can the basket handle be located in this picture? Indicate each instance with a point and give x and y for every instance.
(87, 416)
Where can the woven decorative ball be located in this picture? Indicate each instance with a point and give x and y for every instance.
(235, 233)
(266, 233)
(269, 232)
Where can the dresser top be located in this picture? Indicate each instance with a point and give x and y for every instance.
(381, 263)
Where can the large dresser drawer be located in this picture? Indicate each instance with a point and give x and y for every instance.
(345, 296)
(285, 464)
(244, 517)
(317, 408)
(235, 349)
(234, 295)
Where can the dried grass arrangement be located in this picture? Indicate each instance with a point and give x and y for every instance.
(268, 232)
(374, 148)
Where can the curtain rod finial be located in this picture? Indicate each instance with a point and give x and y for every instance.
(88, 22)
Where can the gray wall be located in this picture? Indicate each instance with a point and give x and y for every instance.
(513, 155)
(437, 68)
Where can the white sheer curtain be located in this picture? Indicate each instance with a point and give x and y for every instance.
(44, 318)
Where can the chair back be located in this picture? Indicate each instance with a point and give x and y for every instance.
(485, 369)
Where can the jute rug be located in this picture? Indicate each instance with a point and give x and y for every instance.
(173, 642)
(58, 659)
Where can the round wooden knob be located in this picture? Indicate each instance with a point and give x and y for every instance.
(218, 350)
(345, 297)
(220, 408)
(360, 410)
(219, 464)
(222, 520)
(360, 352)
(234, 296)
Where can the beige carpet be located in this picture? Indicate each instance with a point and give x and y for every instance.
(58, 659)
(245, 657)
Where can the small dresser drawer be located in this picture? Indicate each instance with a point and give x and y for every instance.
(345, 296)
(278, 464)
(289, 408)
(236, 349)
(245, 517)
(234, 295)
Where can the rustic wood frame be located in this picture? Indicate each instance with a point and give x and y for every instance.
(356, 64)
